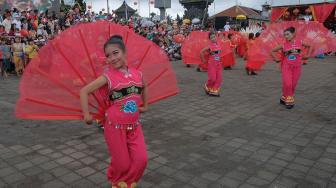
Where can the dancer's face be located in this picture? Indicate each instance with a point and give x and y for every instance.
(115, 56)
(288, 35)
(17, 40)
(213, 38)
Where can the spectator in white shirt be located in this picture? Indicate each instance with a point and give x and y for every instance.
(17, 23)
(7, 23)
(227, 26)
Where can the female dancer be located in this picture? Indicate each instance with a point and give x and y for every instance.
(248, 66)
(214, 82)
(122, 130)
(290, 65)
(228, 59)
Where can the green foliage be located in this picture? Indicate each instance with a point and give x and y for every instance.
(78, 3)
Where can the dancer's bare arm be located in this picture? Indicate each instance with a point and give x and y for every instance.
(84, 96)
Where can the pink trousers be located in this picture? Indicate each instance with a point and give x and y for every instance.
(128, 155)
(290, 77)
(214, 75)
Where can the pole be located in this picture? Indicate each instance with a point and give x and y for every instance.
(108, 7)
(214, 7)
(149, 8)
(126, 12)
(236, 6)
(205, 11)
(214, 14)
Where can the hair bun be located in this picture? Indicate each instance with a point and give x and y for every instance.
(116, 37)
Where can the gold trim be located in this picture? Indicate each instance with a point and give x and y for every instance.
(289, 100)
(122, 184)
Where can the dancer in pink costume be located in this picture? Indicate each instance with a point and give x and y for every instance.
(290, 65)
(214, 82)
(122, 129)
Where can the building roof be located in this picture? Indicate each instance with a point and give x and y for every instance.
(122, 8)
(239, 10)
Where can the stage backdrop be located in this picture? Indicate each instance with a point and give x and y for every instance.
(41, 5)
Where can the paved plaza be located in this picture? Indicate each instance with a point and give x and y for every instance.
(243, 139)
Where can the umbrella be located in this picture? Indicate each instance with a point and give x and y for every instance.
(195, 21)
(241, 17)
(156, 18)
(147, 24)
(186, 21)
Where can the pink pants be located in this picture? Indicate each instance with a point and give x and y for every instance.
(128, 155)
(290, 78)
(214, 75)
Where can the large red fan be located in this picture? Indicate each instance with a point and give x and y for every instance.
(50, 85)
(237, 37)
(312, 33)
(194, 43)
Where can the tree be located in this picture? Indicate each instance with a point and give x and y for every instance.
(152, 15)
(178, 19)
(81, 5)
(169, 19)
(136, 14)
(78, 3)
(65, 8)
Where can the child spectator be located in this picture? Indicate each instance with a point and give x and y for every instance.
(31, 50)
(5, 57)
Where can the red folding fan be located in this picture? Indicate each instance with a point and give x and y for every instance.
(194, 43)
(50, 85)
(313, 33)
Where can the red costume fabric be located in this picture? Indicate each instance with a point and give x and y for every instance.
(315, 34)
(74, 59)
(193, 45)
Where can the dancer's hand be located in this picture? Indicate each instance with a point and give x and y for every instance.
(143, 109)
(305, 57)
(277, 60)
(88, 119)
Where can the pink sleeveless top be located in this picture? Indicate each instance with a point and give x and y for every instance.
(125, 96)
(292, 52)
(215, 51)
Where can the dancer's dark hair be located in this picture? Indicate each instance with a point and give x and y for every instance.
(118, 40)
(290, 29)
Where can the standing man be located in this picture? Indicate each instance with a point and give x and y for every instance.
(227, 26)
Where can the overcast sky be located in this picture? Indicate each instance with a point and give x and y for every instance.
(176, 8)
